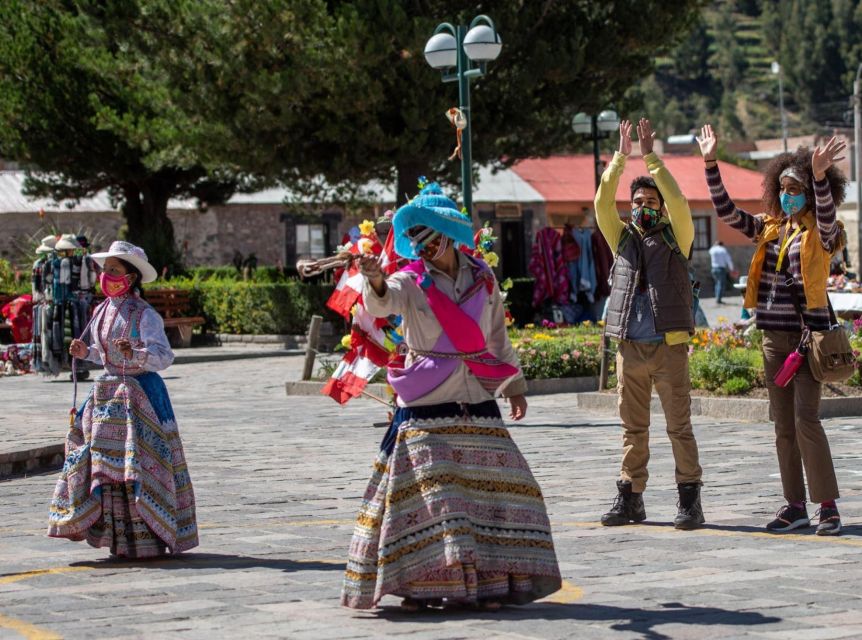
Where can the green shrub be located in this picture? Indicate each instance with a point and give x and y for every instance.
(9, 284)
(564, 353)
(255, 308)
(261, 274)
(736, 386)
(712, 369)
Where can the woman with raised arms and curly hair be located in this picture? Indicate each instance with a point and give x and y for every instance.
(796, 238)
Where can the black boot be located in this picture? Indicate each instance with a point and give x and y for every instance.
(628, 507)
(690, 515)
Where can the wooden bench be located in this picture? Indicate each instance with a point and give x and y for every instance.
(173, 305)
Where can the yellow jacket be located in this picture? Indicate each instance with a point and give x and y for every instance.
(814, 260)
(678, 211)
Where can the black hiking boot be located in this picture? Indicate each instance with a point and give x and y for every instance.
(690, 514)
(628, 507)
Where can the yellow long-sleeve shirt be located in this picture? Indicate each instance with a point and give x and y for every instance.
(678, 211)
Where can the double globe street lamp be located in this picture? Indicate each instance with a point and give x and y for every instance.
(596, 127)
(462, 53)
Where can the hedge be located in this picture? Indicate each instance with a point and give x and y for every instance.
(255, 307)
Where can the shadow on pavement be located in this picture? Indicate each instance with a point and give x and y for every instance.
(212, 561)
(854, 530)
(741, 528)
(640, 621)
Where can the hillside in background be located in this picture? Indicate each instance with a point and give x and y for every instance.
(721, 72)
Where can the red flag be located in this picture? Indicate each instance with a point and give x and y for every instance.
(347, 291)
(366, 357)
(350, 378)
(389, 259)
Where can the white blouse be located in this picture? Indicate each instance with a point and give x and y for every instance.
(151, 350)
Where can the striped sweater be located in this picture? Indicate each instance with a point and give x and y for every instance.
(782, 315)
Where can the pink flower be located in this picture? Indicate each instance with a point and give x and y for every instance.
(532, 352)
(576, 353)
(564, 357)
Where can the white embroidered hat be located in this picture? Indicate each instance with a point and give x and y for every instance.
(128, 252)
(47, 245)
(67, 242)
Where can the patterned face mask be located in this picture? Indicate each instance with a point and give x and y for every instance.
(792, 205)
(645, 218)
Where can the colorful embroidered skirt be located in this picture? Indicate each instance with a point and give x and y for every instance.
(452, 511)
(125, 484)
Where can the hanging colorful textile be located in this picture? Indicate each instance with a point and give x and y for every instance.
(549, 269)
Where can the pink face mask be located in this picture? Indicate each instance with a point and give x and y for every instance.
(114, 286)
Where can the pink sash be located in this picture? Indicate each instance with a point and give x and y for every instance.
(462, 339)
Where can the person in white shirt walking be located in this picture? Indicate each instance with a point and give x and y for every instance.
(722, 265)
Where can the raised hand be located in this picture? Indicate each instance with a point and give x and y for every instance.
(625, 137)
(646, 136)
(708, 142)
(824, 158)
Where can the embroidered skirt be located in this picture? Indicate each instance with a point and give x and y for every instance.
(125, 484)
(452, 511)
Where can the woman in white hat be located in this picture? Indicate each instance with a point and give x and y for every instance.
(125, 484)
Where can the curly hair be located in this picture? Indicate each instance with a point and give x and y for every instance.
(800, 160)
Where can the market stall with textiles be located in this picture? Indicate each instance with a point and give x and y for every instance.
(63, 280)
(571, 267)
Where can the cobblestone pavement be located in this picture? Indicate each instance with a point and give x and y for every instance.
(278, 482)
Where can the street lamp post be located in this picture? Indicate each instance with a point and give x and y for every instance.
(776, 69)
(857, 151)
(596, 127)
(453, 50)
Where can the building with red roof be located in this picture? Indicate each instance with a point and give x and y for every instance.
(567, 185)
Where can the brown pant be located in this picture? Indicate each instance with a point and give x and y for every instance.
(799, 437)
(639, 366)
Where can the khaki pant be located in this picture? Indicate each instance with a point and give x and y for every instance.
(799, 437)
(639, 367)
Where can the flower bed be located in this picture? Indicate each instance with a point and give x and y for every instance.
(550, 352)
(726, 361)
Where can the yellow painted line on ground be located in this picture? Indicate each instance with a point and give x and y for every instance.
(721, 533)
(26, 575)
(27, 630)
(567, 594)
(281, 522)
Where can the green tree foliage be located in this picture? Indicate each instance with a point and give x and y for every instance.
(385, 114)
(154, 99)
(108, 95)
(721, 72)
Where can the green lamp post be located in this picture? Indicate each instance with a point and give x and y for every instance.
(462, 53)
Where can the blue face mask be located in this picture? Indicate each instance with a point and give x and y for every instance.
(792, 204)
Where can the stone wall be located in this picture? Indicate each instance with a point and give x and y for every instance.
(204, 238)
(15, 227)
(212, 237)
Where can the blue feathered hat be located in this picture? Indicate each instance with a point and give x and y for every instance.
(431, 209)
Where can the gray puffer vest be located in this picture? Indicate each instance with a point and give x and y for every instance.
(649, 260)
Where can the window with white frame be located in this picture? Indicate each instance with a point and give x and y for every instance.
(310, 241)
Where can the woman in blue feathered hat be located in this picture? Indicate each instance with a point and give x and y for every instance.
(452, 514)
